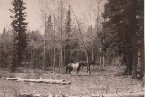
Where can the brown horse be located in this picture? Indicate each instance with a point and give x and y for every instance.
(77, 66)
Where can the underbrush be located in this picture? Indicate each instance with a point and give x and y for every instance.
(98, 82)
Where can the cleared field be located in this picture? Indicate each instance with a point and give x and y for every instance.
(99, 82)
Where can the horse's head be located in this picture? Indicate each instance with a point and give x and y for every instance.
(87, 63)
(83, 63)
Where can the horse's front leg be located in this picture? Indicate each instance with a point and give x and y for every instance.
(77, 71)
(88, 69)
(69, 72)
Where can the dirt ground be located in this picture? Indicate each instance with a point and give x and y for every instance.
(99, 82)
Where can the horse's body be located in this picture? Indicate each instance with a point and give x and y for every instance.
(76, 66)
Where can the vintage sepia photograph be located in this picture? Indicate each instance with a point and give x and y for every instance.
(72, 48)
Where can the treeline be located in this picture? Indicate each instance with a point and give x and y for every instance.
(71, 47)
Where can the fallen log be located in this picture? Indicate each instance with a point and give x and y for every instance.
(10, 78)
(51, 81)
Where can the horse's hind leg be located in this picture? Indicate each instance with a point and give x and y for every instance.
(70, 69)
(78, 69)
(77, 72)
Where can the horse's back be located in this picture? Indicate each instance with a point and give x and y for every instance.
(73, 65)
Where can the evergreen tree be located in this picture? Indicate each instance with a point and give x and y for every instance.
(120, 27)
(139, 13)
(19, 27)
(49, 38)
(67, 41)
(49, 28)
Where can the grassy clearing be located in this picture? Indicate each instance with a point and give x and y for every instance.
(99, 82)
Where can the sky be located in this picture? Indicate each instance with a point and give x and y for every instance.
(34, 16)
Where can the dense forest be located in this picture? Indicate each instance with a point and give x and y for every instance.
(116, 38)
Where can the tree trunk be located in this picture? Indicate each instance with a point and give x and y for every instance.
(51, 57)
(93, 57)
(142, 58)
(54, 60)
(100, 62)
(61, 58)
(67, 54)
(103, 61)
(134, 66)
(59, 67)
(31, 59)
(127, 58)
(88, 65)
(44, 60)
(64, 57)
(134, 38)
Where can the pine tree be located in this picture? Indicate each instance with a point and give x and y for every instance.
(120, 27)
(141, 29)
(139, 17)
(19, 27)
(67, 41)
(48, 38)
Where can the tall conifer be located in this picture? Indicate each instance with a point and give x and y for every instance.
(19, 31)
